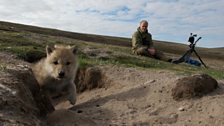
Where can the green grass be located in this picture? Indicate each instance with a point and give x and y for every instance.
(148, 63)
(214, 73)
(3, 67)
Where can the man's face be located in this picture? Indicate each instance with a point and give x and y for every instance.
(143, 26)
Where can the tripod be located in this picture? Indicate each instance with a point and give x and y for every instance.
(186, 56)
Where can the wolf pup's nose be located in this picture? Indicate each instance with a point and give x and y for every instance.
(61, 74)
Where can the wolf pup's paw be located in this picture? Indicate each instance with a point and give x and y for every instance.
(72, 100)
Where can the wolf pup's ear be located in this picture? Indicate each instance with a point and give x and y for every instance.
(74, 49)
(49, 49)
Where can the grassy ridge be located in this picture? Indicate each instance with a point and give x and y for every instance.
(30, 46)
(168, 47)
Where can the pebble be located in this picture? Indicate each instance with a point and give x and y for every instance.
(150, 81)
(181, 109)
(174, 115)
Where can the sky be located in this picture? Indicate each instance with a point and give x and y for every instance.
(169, 20)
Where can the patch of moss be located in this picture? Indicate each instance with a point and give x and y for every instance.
(27, 53)
(2, 67)
(214, 73)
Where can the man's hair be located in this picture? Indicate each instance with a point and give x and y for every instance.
(143, 21)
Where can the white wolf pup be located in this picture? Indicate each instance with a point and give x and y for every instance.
(56, 73)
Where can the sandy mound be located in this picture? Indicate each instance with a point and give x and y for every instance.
(89, 78)
(194, 86)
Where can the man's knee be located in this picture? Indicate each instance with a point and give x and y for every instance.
(142, 51)
(160, 55)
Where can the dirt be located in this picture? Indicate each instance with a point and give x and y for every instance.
(126, 97)
(17, 106)
(194, 86)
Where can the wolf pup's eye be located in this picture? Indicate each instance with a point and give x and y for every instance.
(55, 62)
(67, 63)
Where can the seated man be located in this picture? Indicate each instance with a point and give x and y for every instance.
(142, 43)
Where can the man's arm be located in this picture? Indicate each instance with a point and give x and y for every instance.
(136, 41)
(149, 38)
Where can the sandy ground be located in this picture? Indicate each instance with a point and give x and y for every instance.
(131, 97)
(143, 98)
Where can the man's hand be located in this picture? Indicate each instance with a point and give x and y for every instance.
(152, 51)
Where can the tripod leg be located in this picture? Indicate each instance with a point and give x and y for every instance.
(183, 58)
(200, 58)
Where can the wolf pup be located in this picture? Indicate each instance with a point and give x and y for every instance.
(56, 73)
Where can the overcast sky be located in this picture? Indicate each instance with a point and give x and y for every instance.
(169, 20)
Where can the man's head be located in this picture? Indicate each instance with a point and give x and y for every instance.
(143, 26)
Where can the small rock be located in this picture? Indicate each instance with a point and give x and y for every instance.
(181, 109)
(150, 81)
(12, 121)
(211, 117)
(79, 111)
(161, 72)
(148, 106)
(174, 115)
(154, 112)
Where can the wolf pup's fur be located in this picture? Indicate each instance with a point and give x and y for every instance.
(56, 73)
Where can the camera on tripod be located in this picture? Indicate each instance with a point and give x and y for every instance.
(192, 40)
(187, 56)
